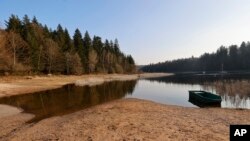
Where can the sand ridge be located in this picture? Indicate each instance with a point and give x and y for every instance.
(16, 85)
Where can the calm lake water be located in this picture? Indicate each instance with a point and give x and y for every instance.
(173, 90)
(234, 89)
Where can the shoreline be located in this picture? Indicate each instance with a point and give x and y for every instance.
(128, 119)
(16, 85)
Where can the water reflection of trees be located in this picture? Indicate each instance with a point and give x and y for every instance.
(191, 79)
(235, 93)
(234, 88)
(69, 98)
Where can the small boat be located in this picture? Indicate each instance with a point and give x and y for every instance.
(204, 99)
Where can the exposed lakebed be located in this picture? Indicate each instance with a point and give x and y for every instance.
(173, 90)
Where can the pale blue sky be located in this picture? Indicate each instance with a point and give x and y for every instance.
(149, 30)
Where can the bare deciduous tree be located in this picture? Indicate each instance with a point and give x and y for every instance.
(73, 63)
(14, 51)
(5, 59)
(92, 60)
(52, 56)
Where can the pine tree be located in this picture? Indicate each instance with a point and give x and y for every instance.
(35, 21)
(86, 47)
(25, 27)
(26, 20)
(47, 33)
(98, 47)
(116, 47)
(78, 45)
(14, 24)
(59, 36)
(68, 44)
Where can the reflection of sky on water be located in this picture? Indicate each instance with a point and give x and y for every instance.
(166, 93)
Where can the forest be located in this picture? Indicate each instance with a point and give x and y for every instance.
(29, 47)
(232, 58)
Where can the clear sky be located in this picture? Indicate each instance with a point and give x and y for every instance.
(149, 30)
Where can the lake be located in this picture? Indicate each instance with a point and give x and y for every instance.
(234, 89)
(172, 90)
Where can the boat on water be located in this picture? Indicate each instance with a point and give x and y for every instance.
(204, 99)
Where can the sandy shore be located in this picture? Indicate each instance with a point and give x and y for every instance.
(125, 119)
(14, 85)
(128, 119)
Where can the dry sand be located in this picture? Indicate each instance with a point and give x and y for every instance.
(126, 119)
(129, 119)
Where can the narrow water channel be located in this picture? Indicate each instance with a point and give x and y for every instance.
(69, 98)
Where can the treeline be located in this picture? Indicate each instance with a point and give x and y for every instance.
(27, 46)
(232, 58)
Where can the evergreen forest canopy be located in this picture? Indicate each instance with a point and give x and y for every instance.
(27, 46)
(232, 58)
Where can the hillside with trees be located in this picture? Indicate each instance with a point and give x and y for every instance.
(232, 58)
(28, 47)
